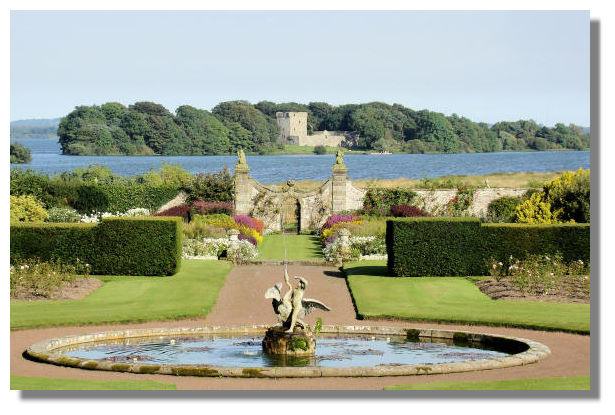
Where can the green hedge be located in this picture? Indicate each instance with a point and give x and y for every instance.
(464, 246)
(117, 246)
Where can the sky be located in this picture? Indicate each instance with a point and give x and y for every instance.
(487, 66)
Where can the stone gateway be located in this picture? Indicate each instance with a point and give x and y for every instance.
(287, 206)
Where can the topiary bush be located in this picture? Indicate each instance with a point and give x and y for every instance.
(503, 209)
(463, 246)
(116, 246)
(138, 246)
(27, 209)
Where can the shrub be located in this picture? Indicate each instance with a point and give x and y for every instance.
(251, 234)
(503, 209)
(336, 252)
(182, 211)
(543, 274)
(213, 186)
(378, 201)
(116, 246)
(66, 215)
(564, 199)
(168, 175)
(203, 207)
(463, 246)
(250, 222)
(250, 239)
(369, 245)
(206, 247)
(320, 150)
(241, 252)
(27, 209)
(32, 278)
(407, 211)
(218, 220)
(460, 203)
(20, 154)
(335, 219)
(197, 230)
(535, 210)
(569, 196)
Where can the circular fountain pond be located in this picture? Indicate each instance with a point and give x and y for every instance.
(237, 352)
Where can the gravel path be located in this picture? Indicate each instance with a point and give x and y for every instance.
(241, 302)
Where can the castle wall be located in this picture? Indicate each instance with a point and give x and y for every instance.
(322, 138)
(293, 130)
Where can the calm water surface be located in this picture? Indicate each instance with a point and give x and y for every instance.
(46, 158)
(246, 351)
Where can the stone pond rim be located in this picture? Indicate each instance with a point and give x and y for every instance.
(528, 351)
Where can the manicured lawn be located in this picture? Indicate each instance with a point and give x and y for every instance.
(560, 383)
(189, 293)
(453, 300)
(36, 383)
(298, 247)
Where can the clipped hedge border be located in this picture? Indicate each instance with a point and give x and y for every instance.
(464, 246)
(116, 246)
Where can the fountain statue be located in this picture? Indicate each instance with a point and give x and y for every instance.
(291, 336)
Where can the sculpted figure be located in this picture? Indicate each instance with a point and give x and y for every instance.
(339, 157)
(292, 307)
(241, 157)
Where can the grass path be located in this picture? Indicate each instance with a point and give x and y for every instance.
(557, 383)
(189, 293)
(453, 300)
(40, 383)
(299, 247)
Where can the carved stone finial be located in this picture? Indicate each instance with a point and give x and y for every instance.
(339, 157)
(339, 166)
(242, 163)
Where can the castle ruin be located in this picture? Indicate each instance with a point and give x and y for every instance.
(293, 130)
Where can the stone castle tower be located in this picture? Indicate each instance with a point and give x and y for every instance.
(292, 125)
(293, 130)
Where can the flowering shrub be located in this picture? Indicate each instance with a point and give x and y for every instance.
(250, 234)
(369, 245)
(219, 220)
(135, 212)
(250, 222)
(196, 230)
(95, 217)
(182, 210)
(378, 201)
(206, 247)
(335, 219)
(542, 274)
(27, 209)
(32, 278)
(250, 239)
(63, 215)
(203, 207)
(536, 210)
(333, 224)
(407, 211)
(241, 251)
(336, 252)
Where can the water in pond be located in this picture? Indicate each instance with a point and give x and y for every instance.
(245, 351)
(46, 158)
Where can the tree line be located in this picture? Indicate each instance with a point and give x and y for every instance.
(149, 128)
